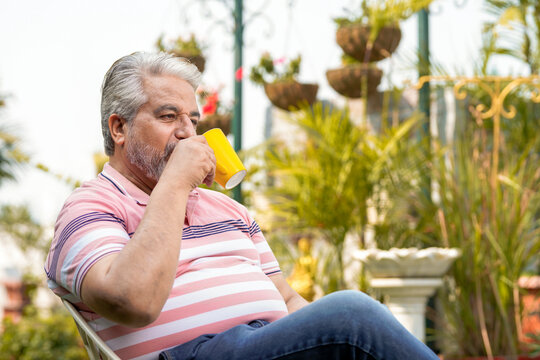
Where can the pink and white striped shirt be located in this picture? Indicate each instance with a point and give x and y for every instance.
(222, 275)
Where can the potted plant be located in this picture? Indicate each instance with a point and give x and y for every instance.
(187, 48)
(213, 113)
(279, 79)
(530, 327)
(373, 33)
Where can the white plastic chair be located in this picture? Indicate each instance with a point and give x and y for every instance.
(97, 349)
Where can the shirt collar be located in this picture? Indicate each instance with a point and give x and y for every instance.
(126, 187)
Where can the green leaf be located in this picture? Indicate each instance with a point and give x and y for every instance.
(511, 15)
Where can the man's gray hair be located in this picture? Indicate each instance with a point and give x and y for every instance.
(122, 90)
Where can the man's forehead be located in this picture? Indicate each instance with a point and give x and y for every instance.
(166, 81)
(168, 90)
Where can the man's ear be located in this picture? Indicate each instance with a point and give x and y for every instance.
(117, 127)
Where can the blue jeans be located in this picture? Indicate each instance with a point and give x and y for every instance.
(342, 325)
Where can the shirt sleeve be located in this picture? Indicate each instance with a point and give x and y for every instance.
(269, 263)
(86, 231)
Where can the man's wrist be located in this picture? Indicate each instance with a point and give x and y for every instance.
(175, 185)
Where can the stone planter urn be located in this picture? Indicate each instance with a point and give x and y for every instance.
(408, 277)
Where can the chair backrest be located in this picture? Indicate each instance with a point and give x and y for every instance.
(97, 349)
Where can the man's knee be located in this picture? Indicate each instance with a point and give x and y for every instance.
(354, 301)
(349, 308)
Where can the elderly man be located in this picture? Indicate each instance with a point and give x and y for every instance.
(161, 268)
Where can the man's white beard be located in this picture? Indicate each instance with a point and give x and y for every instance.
(148, 159)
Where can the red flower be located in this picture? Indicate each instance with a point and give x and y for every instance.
(209, 109)
(211, 104)
(238, 75)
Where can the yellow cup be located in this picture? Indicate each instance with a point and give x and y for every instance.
(229, 169)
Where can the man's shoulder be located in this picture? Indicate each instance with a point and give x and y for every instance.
(93, 190)
(93, 196)
(221, 202)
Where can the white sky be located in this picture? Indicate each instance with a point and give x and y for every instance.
(53, 55)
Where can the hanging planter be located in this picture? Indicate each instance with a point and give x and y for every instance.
(380, 17)
(347, 80)
(353, 39)
(198, 60)
(222, 121)
(188, 48)
(291, 95)
(279, 79)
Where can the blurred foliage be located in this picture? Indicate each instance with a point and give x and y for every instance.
(100, 159)
(11, 154)
(36, 335)
(216, 187)
(499, 240)
(380, 13)
(16, 221)
(41, 337)
(515, 31)
(181, 46)
(270, 70)
(68, 180)
(323, 186)
(534, 345)
(497, 228)
(518, 132)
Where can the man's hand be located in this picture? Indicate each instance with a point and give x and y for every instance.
(191, 163)
(293, 300)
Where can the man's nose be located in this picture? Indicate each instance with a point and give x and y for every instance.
(185, 129)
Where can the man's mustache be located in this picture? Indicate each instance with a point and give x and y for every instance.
(168, 151)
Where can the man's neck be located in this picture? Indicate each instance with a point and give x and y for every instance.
(132, 173)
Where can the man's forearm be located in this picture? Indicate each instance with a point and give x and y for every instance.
(296, 302)
(134, 285)
(292, 299)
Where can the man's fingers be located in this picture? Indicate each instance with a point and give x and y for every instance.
(193, 161)
(199, 138)
(209, 179)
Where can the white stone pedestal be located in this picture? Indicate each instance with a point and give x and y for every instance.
(407, 278)
(407, 299)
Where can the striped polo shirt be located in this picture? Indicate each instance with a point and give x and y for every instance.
(222, 274)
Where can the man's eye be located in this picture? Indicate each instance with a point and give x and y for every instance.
(169, 116)
(194, 122)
